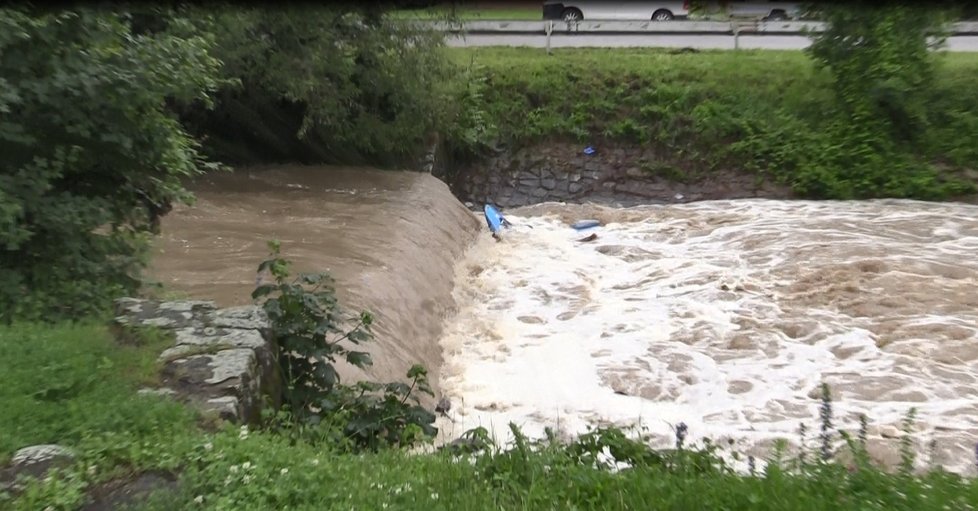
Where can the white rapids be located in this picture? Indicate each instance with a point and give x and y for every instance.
(724, 315)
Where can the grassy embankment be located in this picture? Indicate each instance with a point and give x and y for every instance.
(73, 385)
(762, 111)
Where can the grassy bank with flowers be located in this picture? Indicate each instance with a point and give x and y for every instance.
(76, 386)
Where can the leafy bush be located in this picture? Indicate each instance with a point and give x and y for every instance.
(333, 84)
(310, 328)
(91, 155)
(883, 74)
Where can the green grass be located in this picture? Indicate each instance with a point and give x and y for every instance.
(585, 93)
(65, 382)
(767, 112)
(74, 385)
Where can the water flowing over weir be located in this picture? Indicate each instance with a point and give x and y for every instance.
(725, 315)
(389, 239)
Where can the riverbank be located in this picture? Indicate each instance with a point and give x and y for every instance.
(67, 388)
(672, 119)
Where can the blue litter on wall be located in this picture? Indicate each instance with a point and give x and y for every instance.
(588, 150)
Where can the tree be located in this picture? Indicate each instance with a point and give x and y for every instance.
(91, 155)
(326, 84)
(882, 63)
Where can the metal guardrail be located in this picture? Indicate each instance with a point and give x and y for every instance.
(546, 27)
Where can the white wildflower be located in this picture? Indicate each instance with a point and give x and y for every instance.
(246, 465)
(434, 495)
(208, 446)
(283, 471)
(315, 461)
(246, 479)
(233, 469)
(199, 499)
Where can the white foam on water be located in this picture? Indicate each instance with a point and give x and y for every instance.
(725, 315)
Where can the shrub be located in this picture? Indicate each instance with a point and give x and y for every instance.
(91, 155)
(883, 73)
(326, 84)
(310, 329)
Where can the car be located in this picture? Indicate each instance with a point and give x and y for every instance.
(761, 9)
(580, 10)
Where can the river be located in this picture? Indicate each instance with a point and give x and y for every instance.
(724, 315)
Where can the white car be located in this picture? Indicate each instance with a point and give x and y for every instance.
(763, 9)
(571, 10)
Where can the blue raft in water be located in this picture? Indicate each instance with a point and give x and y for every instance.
(494, 218)
(580, 225)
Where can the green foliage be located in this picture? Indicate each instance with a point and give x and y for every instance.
(91, 155)
(883, 76)
(334, 84)
(772, 113)
(310, 328)
(307, 324)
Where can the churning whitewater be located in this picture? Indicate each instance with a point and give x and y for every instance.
(724, 315)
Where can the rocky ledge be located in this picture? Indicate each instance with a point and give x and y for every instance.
(221, 361)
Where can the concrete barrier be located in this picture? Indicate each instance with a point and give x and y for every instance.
(651, 27)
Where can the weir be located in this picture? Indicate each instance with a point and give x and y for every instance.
(389, 239)
(726, 315)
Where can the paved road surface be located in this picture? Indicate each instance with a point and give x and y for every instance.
(699, 41)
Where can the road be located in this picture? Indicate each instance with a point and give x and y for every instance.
(961, 43)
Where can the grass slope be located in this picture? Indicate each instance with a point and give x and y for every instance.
(761, 111)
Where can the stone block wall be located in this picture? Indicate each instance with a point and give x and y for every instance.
(221, 360)
(616, 175)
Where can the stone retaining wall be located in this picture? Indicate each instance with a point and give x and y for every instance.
(221, 360)
(618, 175)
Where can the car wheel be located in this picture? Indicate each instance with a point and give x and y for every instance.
(572, 14)
(662, 15)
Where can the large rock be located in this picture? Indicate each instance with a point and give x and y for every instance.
(34, 462)
(221, 360)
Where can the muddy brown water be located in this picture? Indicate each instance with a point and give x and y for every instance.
(389, 239)
(724, 314)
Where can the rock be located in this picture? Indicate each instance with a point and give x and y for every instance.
(574, 187)
(246, 316)
(890, 431)
(548, 183)
(443, 406)
(34, 461)
(177, 314)
(221, 360)
(128, 492)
